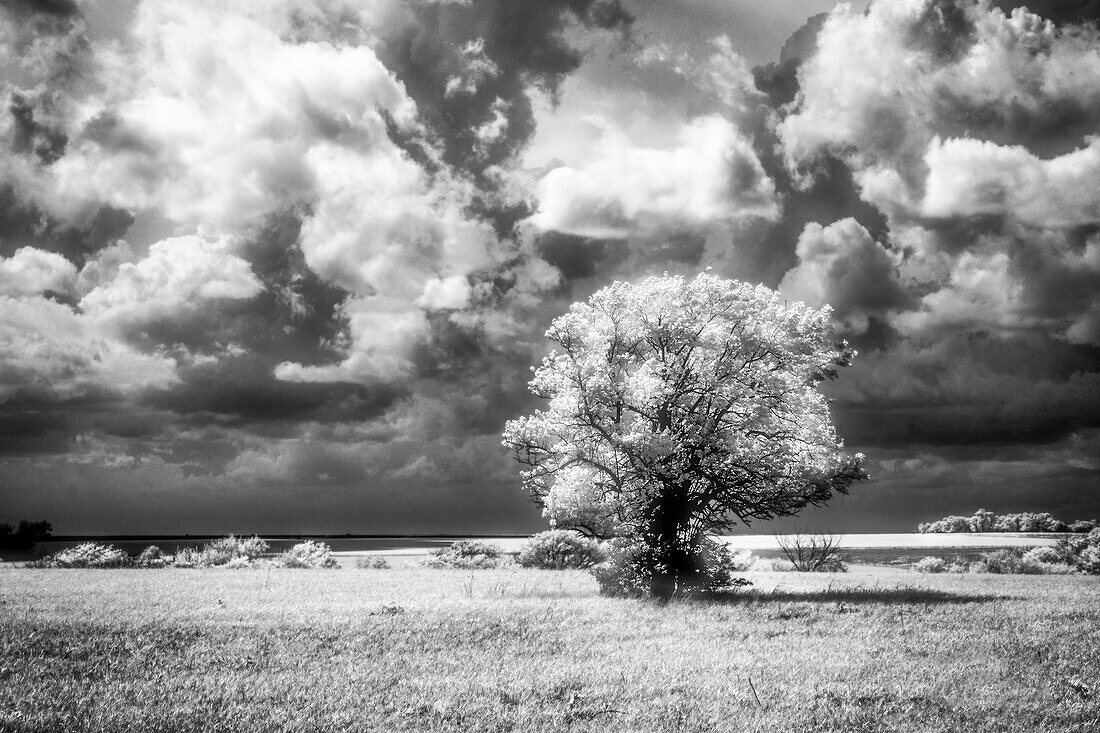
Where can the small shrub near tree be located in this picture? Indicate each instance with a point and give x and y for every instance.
(308, 554)
(467, 555)
(560, 549)
(628, 571)
(371, 562)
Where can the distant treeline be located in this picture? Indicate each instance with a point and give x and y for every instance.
(986, 521)
(23, 536)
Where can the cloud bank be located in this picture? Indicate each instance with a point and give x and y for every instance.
(301, 254)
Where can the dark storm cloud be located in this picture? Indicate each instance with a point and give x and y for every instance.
(470, 67)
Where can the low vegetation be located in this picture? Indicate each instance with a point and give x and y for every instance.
(1077, 554)
(561, 549)
(813, 553)
(511, 649)
(986, 521)
(229, 552)
(629, 569)
(466, 555)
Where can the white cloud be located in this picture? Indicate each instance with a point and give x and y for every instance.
(712, 176)
(33, 271)
(53, 353)
(173, 279)
(972, 177)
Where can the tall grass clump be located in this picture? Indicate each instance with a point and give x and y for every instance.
(467, 555)
(560, 549)
(308, 554)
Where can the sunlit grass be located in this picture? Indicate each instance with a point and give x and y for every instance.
(494, 650)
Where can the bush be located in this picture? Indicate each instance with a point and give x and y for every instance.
(629, 569)
(152, 557)
(1009, 561)
(308, 554)
(815, 553)
(465, 554)
(1083, 526)
(372, 562)
(559, 549)
(88, 555)
(1081, 551)
(240, 551)
(930, 564)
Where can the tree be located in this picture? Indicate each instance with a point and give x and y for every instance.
(677, 409)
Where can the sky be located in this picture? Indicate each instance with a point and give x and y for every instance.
(284, 267)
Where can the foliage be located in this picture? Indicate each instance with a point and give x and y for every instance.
(1083, 526)
(152, 557)
(930, 564)
(986, 521)
(676, 409)
(559, 549)
(371, 562)
(466, 554)
(24, 536)
(628, 572)
(230, 551)
(813, 553)
(87, 555)
(1082, 551)
(308, 554)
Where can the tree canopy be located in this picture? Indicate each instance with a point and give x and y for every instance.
(678, 408)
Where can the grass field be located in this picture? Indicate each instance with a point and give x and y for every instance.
(523, 650)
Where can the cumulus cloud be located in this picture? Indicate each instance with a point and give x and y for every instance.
(842, 266)
(711, 176)
(968, 177)
(48, 352)
(175, 276)
(31, 271)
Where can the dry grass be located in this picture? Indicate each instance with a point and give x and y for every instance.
(526, 650)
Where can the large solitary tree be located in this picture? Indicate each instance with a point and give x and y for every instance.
(679, 408)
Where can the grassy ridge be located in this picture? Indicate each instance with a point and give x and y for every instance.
(522, 650)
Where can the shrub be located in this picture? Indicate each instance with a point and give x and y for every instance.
(1009, 561)
(1082, 551)
(558, 549)
(152, 557)
(628, 571)
(220, 552)
(816, 553)
(308, 554)
(1083, 526)
(88, 555)
(930, 564)
(466, 554)
(371, 562)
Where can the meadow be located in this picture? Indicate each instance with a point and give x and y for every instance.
(418, 649)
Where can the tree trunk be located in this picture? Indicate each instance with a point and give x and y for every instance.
(676, 560)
